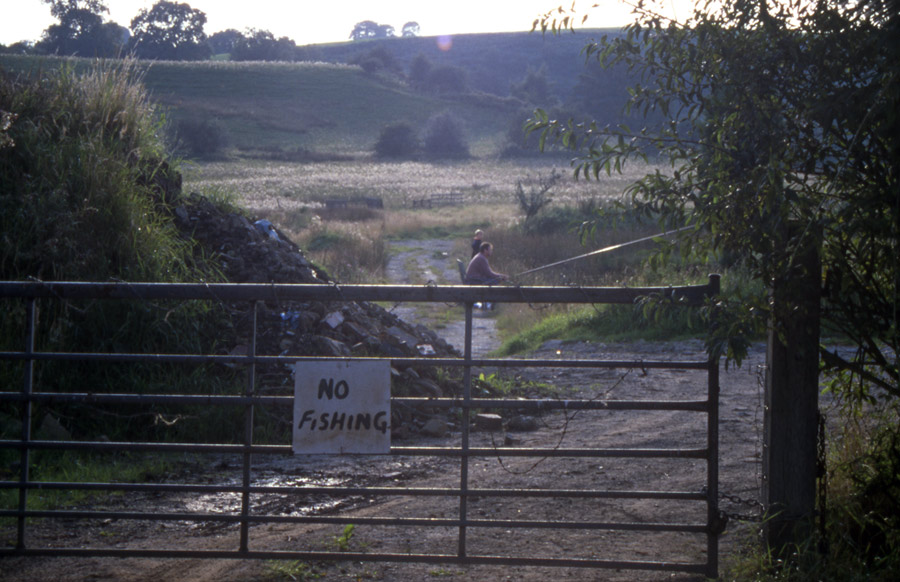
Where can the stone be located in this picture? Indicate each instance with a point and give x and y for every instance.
(436, 427)
(402, 336)
(330, 347)
(333, 319)
(523, 423)
(355, 331)
(487, 421)
(427, 388)
(52, 430)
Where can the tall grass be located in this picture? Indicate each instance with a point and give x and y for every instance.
(82, 178)
(858, 538)
(87, 185)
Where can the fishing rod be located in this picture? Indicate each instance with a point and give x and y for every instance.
(603, 250)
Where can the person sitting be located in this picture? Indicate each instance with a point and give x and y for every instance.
(479, 271)
(476, 241)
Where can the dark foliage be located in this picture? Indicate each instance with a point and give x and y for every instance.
(223, 41)
(419, 69)
(261, 45)
(534, 89)
(444, 137)
(447, 79)
(371, 29)
(170, 31)
(201, 138)
(81, 30)
(410, 29)
(379, 58)
(398, 140)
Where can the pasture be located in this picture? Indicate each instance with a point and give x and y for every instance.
(293, 196)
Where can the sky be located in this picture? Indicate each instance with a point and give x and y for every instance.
(323, 21)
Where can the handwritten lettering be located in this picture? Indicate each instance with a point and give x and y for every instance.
(330, 390)
(338, 421)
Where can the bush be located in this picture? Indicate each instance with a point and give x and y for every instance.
(538, 196)
(559, 220)
(378, 59)
(202, 139)
(444, 138)
(419, 69)
(398, 140)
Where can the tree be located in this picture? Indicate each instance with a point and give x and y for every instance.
(371, 29)
(410, 29)
(419, 69)
(783, 136)
(64, 10)
(23, 47)
(223, 41)
(201, 138)
(534, 89)
(397, 140)
(261, 45)
(379, 58)
(444, 137)
(599, 93)
(770, 127)
(81, 30)
(170, 31)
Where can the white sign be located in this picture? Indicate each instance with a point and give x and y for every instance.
(342, 406)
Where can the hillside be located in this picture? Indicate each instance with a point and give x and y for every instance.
(322, 105)
(493, 61)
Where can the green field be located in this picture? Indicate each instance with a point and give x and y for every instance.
(321, 107)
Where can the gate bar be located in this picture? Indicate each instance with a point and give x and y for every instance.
(690, 295)
(27, 387)
(374, 521)
(197, 399)
(352, 491)
(454, 362)
(464, 448)
(360, 557)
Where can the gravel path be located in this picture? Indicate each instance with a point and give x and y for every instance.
(432, 261)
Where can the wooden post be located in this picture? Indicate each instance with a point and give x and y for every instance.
(791, 411)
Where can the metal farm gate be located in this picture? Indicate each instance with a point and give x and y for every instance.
(464, 529)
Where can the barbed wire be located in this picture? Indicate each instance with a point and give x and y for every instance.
(564, 428)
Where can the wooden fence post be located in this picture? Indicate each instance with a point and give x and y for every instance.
(791, 404)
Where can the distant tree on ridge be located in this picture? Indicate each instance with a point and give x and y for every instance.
(171, 31)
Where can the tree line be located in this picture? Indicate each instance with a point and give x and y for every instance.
(167, 31)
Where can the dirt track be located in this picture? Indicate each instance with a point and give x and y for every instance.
(740, 439)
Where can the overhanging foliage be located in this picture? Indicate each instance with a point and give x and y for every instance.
(783, 135)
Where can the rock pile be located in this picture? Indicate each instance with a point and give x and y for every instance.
(256, 252)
